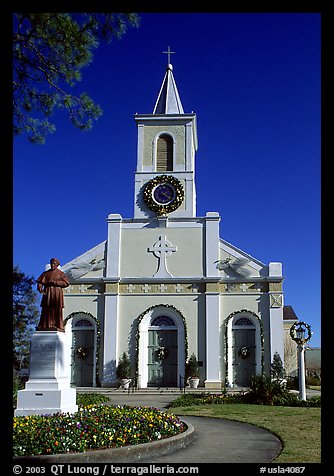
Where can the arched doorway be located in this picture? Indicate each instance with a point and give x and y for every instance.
(83, 350)
(161, 353)
(244, 348)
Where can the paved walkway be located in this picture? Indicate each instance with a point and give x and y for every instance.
(216, 440)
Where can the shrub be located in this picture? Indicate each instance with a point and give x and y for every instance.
(85, 399)
(265, 391)
(313, 380)
(276, 368)
(311, 402)
(273, 393)
(18, 384)
(123, 369)
(292, 383)
(206, 398)
(192, 367)
(186, 400)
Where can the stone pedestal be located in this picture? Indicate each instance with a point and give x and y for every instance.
(48, 388)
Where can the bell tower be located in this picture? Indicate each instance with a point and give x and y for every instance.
(167, 143)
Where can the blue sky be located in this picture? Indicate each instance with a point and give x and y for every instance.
(254, 82)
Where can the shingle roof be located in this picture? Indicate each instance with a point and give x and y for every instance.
(289, 313)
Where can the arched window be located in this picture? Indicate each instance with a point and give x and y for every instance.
(165, 153)
(243, 321)
(163, 321)
(83, 323)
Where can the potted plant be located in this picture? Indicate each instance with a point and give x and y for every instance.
(192, 371)
(123, 370)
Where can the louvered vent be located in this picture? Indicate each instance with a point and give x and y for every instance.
(165, 153)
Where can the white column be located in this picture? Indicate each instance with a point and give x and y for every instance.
(212, 243)
(276, 304)
(212, 341)
(114, 245)
(189, 159)
(140, 147)
(110, 340)
(301, 371)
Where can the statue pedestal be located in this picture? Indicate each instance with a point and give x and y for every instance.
(48, 388)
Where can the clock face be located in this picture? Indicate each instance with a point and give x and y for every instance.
(163, 194)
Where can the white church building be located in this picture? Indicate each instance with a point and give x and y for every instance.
(165, 280)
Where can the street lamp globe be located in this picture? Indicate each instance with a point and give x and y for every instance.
(300, 332)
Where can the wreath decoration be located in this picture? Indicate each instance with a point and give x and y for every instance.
(170, 207)
(293, 332)
(82, 353)
(162, 353)
(244, 352)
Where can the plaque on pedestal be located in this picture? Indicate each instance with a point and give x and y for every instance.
(48, 388)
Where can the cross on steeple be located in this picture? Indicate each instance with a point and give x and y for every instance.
(169, 52)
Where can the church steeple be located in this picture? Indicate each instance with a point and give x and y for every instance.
(167, 142)
(168, 101)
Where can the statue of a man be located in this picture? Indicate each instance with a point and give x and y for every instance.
(51, 284)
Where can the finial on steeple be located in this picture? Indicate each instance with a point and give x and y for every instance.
(169, 52)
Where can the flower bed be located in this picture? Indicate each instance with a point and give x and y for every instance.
(92, 427)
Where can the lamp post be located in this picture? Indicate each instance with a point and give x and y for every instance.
(298, 334)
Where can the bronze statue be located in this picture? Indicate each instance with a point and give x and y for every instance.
(50, 284)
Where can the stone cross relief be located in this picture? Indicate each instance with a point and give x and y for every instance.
(161, 250)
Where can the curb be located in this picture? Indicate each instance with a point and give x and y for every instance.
(125, 454)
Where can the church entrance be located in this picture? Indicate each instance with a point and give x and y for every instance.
(162, 358)
(161, 350)
(244, 347)
(83, 352)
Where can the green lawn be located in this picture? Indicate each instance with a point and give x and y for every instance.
(297, 427)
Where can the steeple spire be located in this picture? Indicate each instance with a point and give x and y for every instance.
(168, 101)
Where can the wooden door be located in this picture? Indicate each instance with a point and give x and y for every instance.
(82, 358)
(162, 358)
(244, 364)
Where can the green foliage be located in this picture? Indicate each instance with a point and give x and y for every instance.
(187, 400)
(192, 368)
(292, 383)
(16, 387)
(25, 316)
(263, 391)
(277, 369)
(123, 369)
(313, 380)
(203, 398)
(311, 402)
(86, 399)
(92, 427)
(49, 52)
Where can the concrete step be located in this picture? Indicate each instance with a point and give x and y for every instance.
(157, 390)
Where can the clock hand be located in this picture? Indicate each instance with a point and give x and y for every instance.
(165, 194)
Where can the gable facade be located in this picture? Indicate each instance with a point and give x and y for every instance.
(164, 285)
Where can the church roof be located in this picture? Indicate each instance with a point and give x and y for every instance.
(168, 101)
(289, 314)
